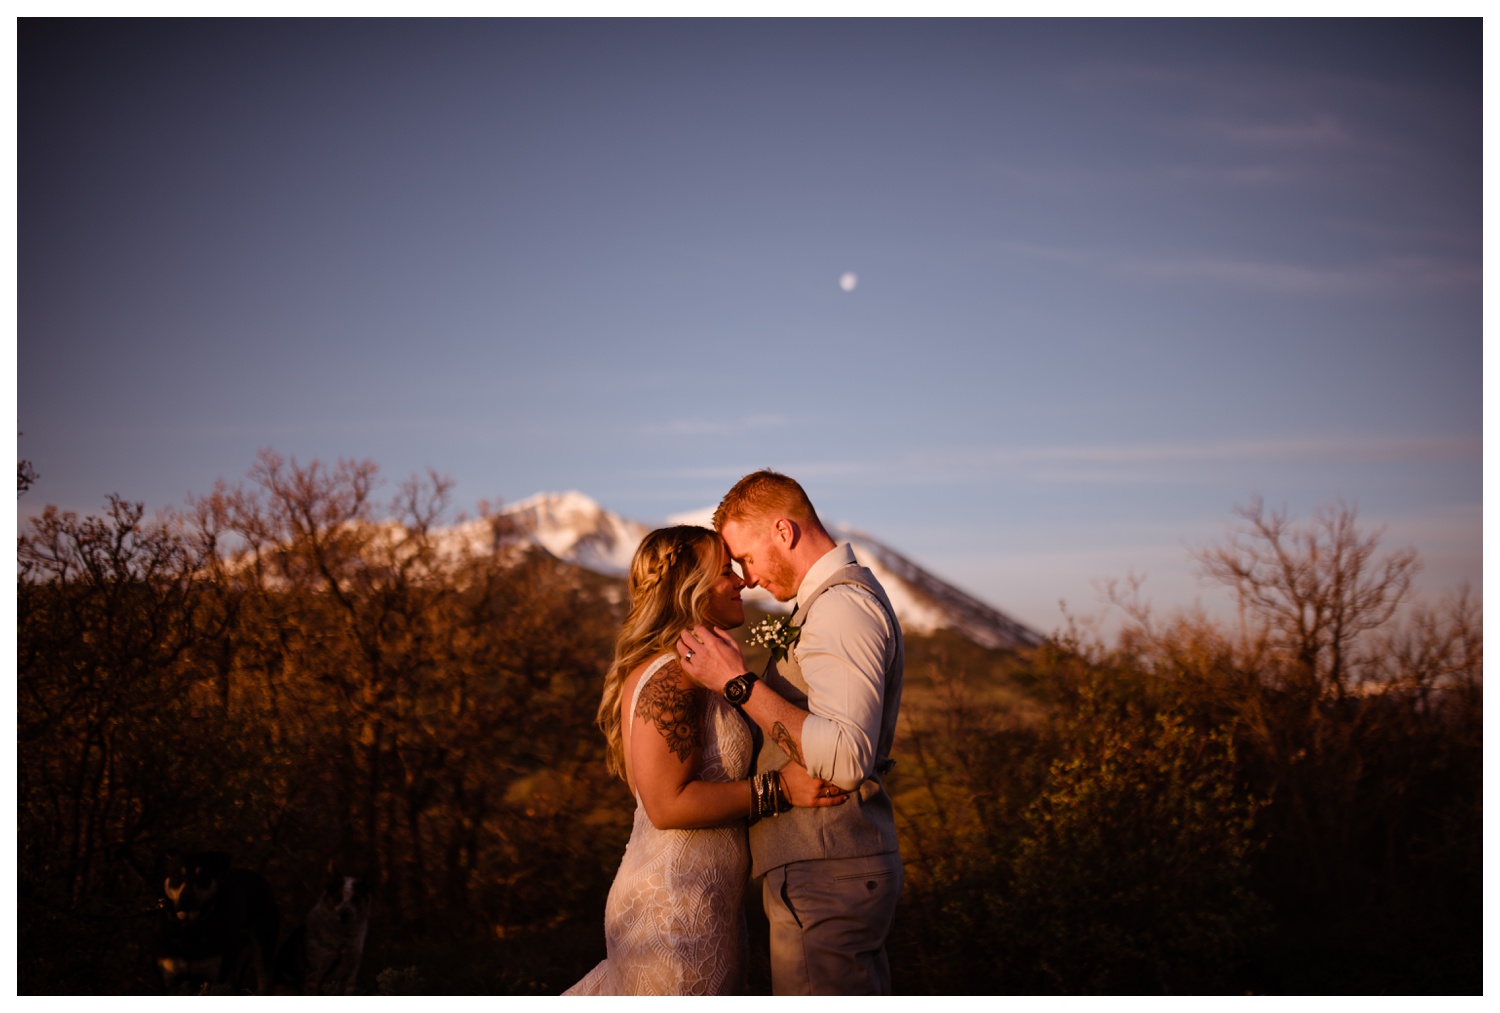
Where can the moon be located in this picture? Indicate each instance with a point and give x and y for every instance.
(848, 281)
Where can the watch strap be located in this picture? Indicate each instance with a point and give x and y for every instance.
(737, 690)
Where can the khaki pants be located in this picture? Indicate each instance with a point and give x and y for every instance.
(829, 921)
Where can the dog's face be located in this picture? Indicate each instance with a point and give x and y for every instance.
(193, 882)
(347, 896)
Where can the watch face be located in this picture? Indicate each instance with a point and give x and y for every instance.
(737, 690)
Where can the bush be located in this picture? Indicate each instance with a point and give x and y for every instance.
(1131, 874)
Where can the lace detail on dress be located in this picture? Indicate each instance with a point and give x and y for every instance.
(674, 922)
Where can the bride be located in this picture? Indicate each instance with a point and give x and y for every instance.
(673, 924)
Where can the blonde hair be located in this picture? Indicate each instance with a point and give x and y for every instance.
(764, 492)
(671, 576)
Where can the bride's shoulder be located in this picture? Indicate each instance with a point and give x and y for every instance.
(667, 661)
(665, 668)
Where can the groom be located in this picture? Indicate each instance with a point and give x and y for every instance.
(832, 875)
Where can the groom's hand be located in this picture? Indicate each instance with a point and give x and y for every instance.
(710, 656)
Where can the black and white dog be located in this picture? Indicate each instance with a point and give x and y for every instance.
(322, 956)
(219, 925)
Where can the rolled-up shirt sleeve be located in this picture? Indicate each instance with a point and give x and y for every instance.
(844, 656)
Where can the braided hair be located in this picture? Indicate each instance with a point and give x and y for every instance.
(671, 575)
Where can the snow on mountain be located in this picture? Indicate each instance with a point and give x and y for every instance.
(569, 525)
(574, 528)
(925, 603)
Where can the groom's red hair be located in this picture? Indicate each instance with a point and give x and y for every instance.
(764, 493)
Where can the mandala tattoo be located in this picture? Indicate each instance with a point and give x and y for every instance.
(675, 711)
(783, 738)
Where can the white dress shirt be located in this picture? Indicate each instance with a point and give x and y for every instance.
(844, 651)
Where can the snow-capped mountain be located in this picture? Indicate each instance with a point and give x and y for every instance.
(573, 527)
(925, 603)
(569, 525)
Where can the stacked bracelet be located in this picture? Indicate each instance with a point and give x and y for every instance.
(766, 795)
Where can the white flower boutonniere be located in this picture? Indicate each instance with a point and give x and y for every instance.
(778, 634)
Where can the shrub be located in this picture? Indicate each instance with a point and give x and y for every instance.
(1131, 873)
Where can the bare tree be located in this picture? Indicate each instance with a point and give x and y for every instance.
(1315, 589)
(106, 612)
(26, 475)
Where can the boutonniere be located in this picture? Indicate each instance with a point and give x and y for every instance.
(778, 634)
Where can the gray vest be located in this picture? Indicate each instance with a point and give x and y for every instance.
(865, 824)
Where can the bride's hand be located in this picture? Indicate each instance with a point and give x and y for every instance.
(802, 789)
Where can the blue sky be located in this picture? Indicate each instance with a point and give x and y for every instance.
(1114, 278)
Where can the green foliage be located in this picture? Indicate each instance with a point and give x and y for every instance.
(1130, 876)
(1099, 847)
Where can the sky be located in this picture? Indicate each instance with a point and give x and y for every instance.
(1037, 303)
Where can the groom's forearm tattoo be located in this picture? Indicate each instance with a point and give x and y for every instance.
(675, 713)
(783, 738)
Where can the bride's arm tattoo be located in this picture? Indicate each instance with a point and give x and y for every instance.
(783, 738)
(676, 713)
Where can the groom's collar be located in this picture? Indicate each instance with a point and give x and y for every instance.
(827, 565)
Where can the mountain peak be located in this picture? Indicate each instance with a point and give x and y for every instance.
(571, 501)
(575, 528)
(925, 602)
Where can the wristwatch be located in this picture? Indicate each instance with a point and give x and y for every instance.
(737, 690)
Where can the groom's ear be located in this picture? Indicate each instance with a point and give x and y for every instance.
(787, 532)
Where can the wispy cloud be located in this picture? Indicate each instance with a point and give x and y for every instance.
(1258, 174)
(715, 426)
(1117, 464)
(799, 469)
(1383, 276)
(1067, 177)
(1449, 235)
(1055, 254)
(1110, 463)
(1317, 131)
(1242, 125)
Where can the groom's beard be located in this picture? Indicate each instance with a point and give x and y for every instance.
(784, 576)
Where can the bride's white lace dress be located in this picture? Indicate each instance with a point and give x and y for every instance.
(674, 923)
